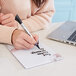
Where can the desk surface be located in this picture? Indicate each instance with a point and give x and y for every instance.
(66, 67)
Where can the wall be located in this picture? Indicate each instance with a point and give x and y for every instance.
(65, 10)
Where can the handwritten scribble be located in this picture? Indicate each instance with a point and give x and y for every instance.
(42, 51)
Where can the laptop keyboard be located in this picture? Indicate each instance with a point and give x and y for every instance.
(73, 37)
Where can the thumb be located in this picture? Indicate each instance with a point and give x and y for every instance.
(1, 14)
(36, 37)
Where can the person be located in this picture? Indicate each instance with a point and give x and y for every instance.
(35, 14)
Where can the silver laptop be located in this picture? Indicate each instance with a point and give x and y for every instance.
(65, 33)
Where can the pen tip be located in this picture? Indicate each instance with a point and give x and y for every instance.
(38, 46)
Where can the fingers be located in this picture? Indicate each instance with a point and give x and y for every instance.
(20, 47)
(1, 14)
(27, 38)
(5, 21)
(11, 24)
(22, 44)
(36, 37)
(21, 40)
(8, 20)
(4, 17)
(26, 44)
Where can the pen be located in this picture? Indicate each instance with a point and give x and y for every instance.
(17, 18)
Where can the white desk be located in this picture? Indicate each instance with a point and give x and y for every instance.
(66, 67)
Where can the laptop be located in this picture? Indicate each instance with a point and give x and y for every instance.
(65, 33)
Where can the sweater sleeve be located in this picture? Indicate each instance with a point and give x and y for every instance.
(41, 18)
(6, 34)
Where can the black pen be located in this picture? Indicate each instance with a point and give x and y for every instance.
(17, 18)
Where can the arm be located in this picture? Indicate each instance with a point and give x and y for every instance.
(6, 34)
(41, 18)
(10, 35)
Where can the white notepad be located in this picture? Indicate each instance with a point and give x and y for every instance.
(29, 60)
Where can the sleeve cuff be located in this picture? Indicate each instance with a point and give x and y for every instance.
(6, 34)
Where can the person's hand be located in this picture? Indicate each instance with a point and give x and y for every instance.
(21, 40)
(1, 14)
(8, 20)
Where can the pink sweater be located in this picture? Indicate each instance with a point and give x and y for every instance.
(34, 18)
